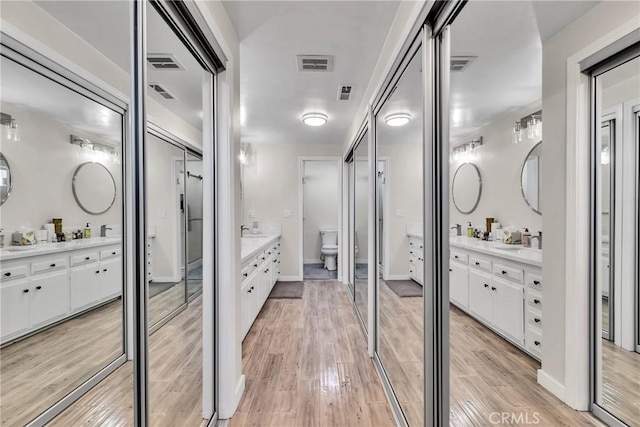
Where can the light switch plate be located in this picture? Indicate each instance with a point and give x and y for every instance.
(400, 212)
(252, 213)
(287, 213)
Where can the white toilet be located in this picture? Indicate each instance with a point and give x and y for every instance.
(329, 250)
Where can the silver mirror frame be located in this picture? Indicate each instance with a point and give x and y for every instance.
(6, 162)
(524, 196)
(453, 196)
(75, 194)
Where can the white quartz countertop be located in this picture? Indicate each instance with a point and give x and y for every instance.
(516, 253)
(251, 246)
(16, 252)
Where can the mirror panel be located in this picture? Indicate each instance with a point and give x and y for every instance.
(466, 188)
(361, 227)
(94, 188)
(530, 178)
(5, 179)
(400, 244)
(194, 224)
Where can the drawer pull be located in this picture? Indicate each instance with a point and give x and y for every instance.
(26, 291)
(536, 282)
(245, 274)
(98, 272)
(420, 246)
(87, 258)
(449, 269)
(536, 301)
(410, 244)
(262, 258)
(38, 287)
(410, 252)
(493, 288)
(536, 320)
(252, 288)
(113, 253)
(53, 265)
(504, 272)
(477, 263)
(105, 270)
(486, 286)
(269, 253)
(455, 256)
(249, 290)
(255, 265)
(537, 343)
(8, 274)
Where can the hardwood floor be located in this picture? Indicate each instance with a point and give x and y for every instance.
(621, 383)
(306, 364)
(175, 381)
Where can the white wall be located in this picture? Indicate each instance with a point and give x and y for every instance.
(592, 26)
(500, 163)
(42, 167)
(271, 187)
(321, 193)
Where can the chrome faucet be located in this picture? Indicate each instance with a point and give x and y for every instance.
(242, 229)
(539, 237)
(103, 230)
(458, 229)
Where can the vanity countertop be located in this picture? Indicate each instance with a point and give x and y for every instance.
(515, 253)
(251, 246)
(17, 252)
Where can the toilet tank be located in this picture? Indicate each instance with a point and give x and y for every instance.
(329, 237)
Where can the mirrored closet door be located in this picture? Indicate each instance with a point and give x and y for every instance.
(361, 227)
(615, 161)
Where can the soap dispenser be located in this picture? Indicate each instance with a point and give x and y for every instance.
(469, 230)
(526, 238)
(87, 231)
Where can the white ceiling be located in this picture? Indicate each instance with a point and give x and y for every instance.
(274, 95)
(95, 21)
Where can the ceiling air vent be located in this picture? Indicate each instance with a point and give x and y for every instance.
(164, 61)
(161, 91)
(344, 92)
(459, 63)
(315, 63)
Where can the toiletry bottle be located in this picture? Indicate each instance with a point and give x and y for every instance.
(87, 231)
(469, 230)
(526, 238)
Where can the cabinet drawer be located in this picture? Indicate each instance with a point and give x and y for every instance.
(533, 280)
(86, 258)
(481, 263)
(505, 271)
(458, 256)
(415, 252)
(534, 341)
(534, 299)
(244, 274)
(534, 318)
(415, 244)
(49, 265)
(112, 253)
(10, 272)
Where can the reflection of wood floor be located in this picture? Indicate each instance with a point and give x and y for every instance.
(487, 374)
(306, 364)
(38, 371)
(621, 382)
(175, 381)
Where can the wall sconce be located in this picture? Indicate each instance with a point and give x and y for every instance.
(465, 153)
(11, 129)
(529, 127)
(98, 150)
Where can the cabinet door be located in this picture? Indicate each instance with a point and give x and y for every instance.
(459, 284)
(49, 298)
(245, 306)
(85, 286)
(480, 295)
(509, 313)
(110, 278)
(14, 302)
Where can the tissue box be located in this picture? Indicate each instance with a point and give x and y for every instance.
(19, 238)
(512, 237)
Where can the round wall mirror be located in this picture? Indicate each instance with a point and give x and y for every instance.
(466, 188)
(5, 180)
(94, 188)
(530, 178)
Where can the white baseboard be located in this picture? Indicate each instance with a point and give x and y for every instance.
(166, 279)
(398, 277)
(362, 261)
(239, 392)
(289, 279)
(313, 261)
(551, 384)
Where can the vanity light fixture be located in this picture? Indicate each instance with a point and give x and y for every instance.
(314, 119)
(466, 152)
(98, 149)
(529, 127)
(11, 128)
(398, 119)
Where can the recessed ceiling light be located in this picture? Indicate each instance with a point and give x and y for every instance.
(314, 119)
(399, 119)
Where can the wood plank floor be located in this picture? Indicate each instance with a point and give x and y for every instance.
(621, 383)
(175, 381)
(306, 364)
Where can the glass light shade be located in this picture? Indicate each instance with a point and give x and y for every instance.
(399, 119)
(314, 119)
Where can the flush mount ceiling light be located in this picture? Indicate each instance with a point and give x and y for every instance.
(399, 119)
(314, 119)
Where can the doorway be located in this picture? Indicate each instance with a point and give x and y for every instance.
(320, 197)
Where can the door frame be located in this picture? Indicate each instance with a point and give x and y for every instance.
(301, 162)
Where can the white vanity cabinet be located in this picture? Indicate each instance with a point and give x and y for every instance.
(259, 274)
(504, 292)
(40, 287)
(416, 259)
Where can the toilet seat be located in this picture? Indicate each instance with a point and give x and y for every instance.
(330, 247)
